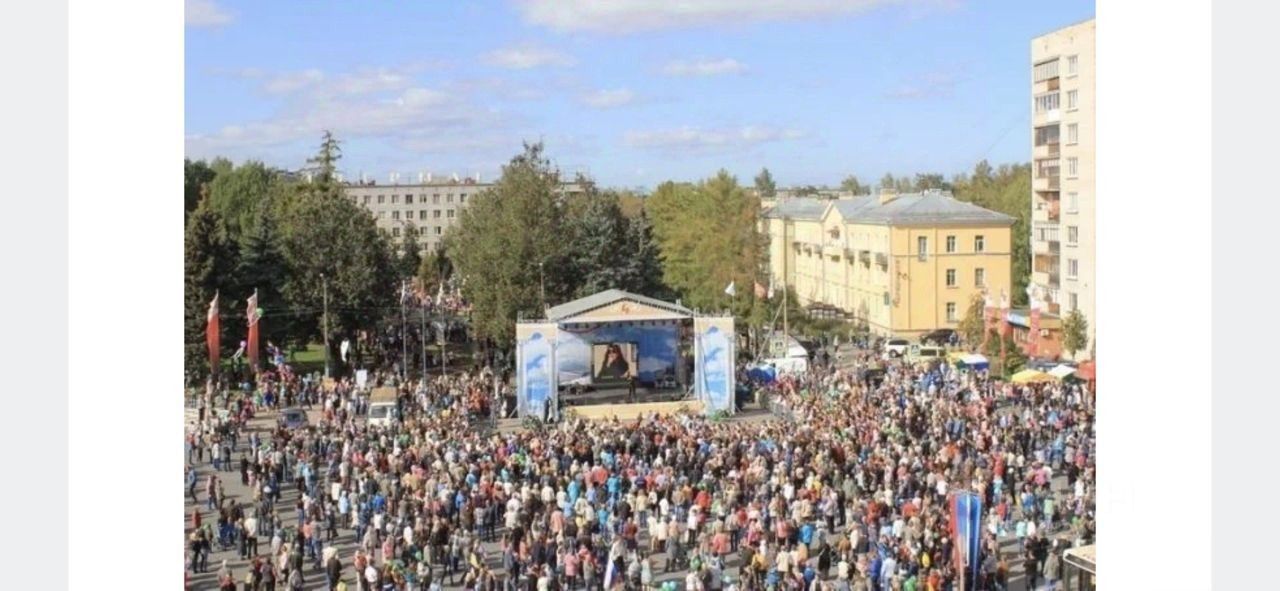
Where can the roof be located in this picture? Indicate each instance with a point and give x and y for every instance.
(907, 209)
(607, 297)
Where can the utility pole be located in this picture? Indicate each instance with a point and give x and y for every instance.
(424, 338)
(785, 245)
(324, 288)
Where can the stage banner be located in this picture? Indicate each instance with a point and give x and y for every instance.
(536, 390)
(714, 357)
(966, 534)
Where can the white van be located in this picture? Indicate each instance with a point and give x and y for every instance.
(383, 406)
(923, 353)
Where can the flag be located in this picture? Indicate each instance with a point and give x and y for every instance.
(731, 291)
(760, 291)
(770, 294)
(966, 531)
(254, 314)
(212, 337)
(346, 346)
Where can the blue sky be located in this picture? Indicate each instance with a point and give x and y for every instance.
(633, 92)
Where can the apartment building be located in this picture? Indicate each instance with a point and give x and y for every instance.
(900, 264)
(1062, 154)
(428, 208)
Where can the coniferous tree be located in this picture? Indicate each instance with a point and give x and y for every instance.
(209, 267)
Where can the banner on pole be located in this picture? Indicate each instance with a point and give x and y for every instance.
(536, 374)
(213, 338)
(714, 356)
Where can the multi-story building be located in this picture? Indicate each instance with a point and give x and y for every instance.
(428, 208)
(1062, 184)
(899, 264)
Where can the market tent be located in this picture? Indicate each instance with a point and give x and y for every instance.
(1030, 376)
(763, 373)
(1062, 371)
(975, 361)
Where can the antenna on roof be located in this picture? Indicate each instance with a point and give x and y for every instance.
(421, 177)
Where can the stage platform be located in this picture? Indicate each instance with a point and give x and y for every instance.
(631, 412)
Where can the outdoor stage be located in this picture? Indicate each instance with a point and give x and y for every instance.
(588, 354)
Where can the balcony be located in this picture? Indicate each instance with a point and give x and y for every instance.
(1047, 150)
(1046, 213)
(864, 256)
(882, 259)
(1046, 247)
(1045, 278)
(1046, 183)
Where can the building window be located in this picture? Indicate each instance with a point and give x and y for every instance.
(435, 214)
(1073, 167)
(450, 214)
(395, 232)
(1073, 204)
(951, 312)
(449, 199)
(1073, 97)
(422, 214)
(435, 198)
(980, 277)
(951, 277)
(1073, 133)
(381, 199)
(886, 298)
(1046, 70)
(367, 199)
(1073, 268)
(951, 243)
(462, 198)
(408, 214)
(439, 230)
(1073, 64)
(922, 247)
(1073, 235)
(395, 215)
(395, 199)
(1073, 301)
(408, 199)
(979, 243)
(1047, 102)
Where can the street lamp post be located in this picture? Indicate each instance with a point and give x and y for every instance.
(404, 337)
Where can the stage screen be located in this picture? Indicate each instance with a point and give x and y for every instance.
(652, 356)
(612, 362)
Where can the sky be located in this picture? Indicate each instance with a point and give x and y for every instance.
(629, 92)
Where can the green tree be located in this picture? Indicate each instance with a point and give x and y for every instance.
(708, 237)
(1008, 191)
(410, 260)
(974, 321)
(237, 193)
(645, 270)
(436, 268)
(765, 186)
(887, 181)
(598, 252)
(324, 165)
(507, 239)
(209, 267)
(805, 191)
(1075, 332)
(263, 267)
(851, 184)
(197, 175)
(1015, 360)
(925, 182)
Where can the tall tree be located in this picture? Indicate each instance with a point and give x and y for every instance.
(851, 184)
(435, 268)
(209, 267)
(887, 181)
(1075, 332)
(974, 321)
(508, 239)
(262, 266)
(1008, 191)
(926, 182)
(765, 186)
(645, 275)
(324, 165)
(410, 259)
(237, 193)
(600, 258)
(198, 175)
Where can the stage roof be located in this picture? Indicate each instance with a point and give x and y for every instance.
(616, 305)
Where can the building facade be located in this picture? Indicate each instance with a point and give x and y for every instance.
(901, 265)
(428, 208)
(1063, 199)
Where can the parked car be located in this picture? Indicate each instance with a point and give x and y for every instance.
(896, 347)
(919, 353)
(942, 336)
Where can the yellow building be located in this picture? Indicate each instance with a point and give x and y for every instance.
(900, 264)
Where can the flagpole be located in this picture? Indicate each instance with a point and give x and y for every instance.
(324, 288)
(404, 338)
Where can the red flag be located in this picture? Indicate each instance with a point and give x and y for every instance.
(254, 314)
(211, 336)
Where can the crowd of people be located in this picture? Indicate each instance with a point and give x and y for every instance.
(846, 489)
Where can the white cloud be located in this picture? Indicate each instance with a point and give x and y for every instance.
(932, 85)
(525, 58)
(291, 82)
(704, 67)
(607, 99)
(629, 16)
(206, 13)
(694, 139)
